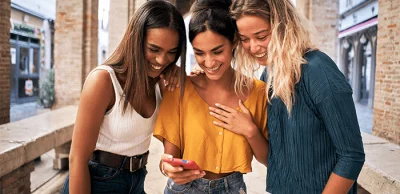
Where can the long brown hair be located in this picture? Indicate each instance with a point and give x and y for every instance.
(290, 40)
(129, 57)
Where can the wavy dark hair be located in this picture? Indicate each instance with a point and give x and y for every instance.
(129, 57)
(214, 15)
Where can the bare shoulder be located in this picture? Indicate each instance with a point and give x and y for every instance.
(98, 87)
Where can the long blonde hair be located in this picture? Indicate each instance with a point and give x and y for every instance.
(289, 42)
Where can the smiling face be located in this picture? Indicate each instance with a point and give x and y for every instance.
(255, 35)
(213, 53)
(161, 48)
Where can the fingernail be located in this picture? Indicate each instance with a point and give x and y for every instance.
(211, 113)
(180, 169)
(169, 156)
(196, 172)
(216, 104)
(215, 122)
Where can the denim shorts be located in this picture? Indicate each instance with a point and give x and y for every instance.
(105, 179)
(232, 184)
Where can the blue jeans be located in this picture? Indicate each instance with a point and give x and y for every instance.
(105, 179)
(232, 184)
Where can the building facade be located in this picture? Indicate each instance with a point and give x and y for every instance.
(31, 37)
(357, 50)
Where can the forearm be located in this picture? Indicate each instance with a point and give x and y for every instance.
(79, 178)
(259, 146)
(338, 185)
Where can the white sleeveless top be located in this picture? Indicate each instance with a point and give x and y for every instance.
(126, 134)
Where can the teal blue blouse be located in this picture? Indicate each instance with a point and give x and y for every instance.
(320, 136)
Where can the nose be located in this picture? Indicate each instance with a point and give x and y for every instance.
(208, 61)
(254, 47)
(162, 59)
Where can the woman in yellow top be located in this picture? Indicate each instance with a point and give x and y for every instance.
(185, 125)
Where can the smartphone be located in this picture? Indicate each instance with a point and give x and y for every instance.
(186, 164)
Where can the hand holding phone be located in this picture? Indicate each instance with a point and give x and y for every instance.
(186, 164)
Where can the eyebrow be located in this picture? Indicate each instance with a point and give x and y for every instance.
(158, 47)
(214, 49)
(257, 33)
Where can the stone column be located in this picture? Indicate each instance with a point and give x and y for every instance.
(356, 77)
(387, 86)
(372, 39)
(323, 16)
(5, 61)
(75, 48)
(119, 16)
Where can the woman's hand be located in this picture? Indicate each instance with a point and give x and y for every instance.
(171, 79)
(197, 70)
(242, 123)
(233, 120)
(178, 174)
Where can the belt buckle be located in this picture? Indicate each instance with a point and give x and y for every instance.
(131, 163)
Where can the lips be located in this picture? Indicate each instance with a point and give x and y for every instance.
(156, 67)
(260, 55)
(212, 70)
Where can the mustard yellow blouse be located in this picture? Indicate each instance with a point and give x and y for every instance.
(189, 126)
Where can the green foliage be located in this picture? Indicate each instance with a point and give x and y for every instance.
(47, 90)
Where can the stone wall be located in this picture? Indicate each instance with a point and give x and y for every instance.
(387, 81)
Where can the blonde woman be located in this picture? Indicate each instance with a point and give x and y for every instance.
(314, 143)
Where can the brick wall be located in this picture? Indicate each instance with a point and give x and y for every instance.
(17, 181)
(5, 61)
(323, 20)
(75, 48)
(387, 80)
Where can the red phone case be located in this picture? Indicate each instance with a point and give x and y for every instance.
(186, 164)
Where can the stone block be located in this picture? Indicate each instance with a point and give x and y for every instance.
(17, 181)
(61, 161)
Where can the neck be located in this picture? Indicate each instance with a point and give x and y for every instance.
(225, 82)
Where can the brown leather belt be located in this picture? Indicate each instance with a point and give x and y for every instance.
(131, 164)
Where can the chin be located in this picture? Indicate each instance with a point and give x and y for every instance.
(213, 77)
(153, 74)
(262, 62)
